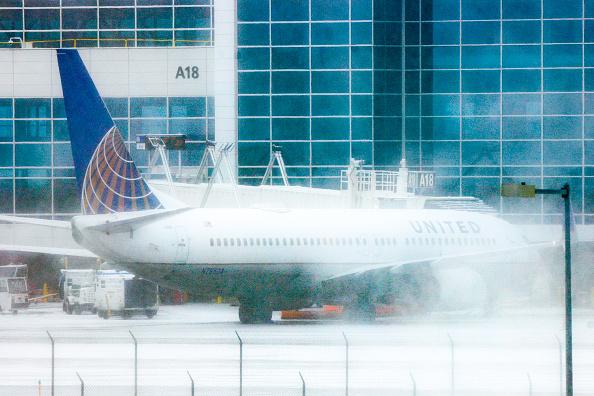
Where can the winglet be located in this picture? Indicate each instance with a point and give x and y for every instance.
(107, 178)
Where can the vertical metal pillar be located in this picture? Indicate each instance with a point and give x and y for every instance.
(53, 359)
(568, 310)
(346, 364)
(82, 384)
(135, 363)
(414, 384)
(452, 382)
(191, 383)
(302, 384)
(560, 365)
(240, 363)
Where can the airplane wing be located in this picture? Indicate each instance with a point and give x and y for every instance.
(42, 236)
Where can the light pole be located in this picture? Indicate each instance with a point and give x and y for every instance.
(524, 190)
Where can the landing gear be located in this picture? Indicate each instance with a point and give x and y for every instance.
(254, 312)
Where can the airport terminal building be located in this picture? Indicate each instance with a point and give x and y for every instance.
(479, 91)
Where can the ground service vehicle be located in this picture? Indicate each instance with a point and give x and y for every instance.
(78, 290)
(14, 294)
(121, 293)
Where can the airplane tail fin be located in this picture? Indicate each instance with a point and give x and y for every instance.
(107, 178)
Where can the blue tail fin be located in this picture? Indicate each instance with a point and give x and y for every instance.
(106, 175)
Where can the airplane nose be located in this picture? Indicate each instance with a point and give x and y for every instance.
(75, 226)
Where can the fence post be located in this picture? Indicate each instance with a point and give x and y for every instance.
(135, 363)
(414, 383)
(529, 384)
(302, 384)
(191, 383)
(346, 364)
(452, 383)
(82, 384)
(560, 365)
(240, 363)
(53, 360)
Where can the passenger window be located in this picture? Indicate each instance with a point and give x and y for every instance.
(357, 241)
(232, 242)
(245, 242)
(257, 241)
(225, 241)
(291, 241)
(318, 241)
(298, 241)
(211, 242)
(312, 241)
(269, 241)
(304, 241)
(277, 242)
(263, 241)
(238, 242)
(284, 241)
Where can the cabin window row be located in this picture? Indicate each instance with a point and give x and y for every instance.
(294, 241)
(450, 241)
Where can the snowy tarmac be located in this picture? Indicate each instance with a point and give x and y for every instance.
(510, 353)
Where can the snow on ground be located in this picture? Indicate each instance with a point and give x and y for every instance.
(498, 355)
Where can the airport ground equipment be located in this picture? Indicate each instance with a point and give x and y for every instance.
(121, 293)
(276, 157)
(14, 293)
(78, 290)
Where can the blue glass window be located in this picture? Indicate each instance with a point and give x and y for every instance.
(361, 57)
(441, 154)
(193, 129)
(441, 128)
(562, 31)
(480, 32)
(330, 128)
(154, 18)
(440, 33)
(361, 81)
(192, 17)
(5, 108)
(480, 81)
(143, 127)
(361, 33)
(589, 31)
(252, 10)
(475, 57)
(253, 82)
(521, 104)
(33, 155)
(521, 32)
(324, 10)
(521, 80)
(62, 155)
(440, 10)
(66, 197)
(589, 79)
(289, 10)
(329, 33)
(295, 154)
(361, 9)
(42, 19)
(363, 151)
(290, 58)
(187, 107)
(79, 18)
(363, 104)
(521, 56)
(562, 152)
(563, 80)
(253, 154)
(33, 195)
(290, 105)
(252, 34)
(253, 128)
(118, 107)
(329, 82)
(290, 82)
(290, 128)
(148, 107)
(330, 105)
(32, 108)
(480, 9)
(562, 104)
(440, 81)
(440, 57)
(33, 131)
(589, 8)
(5, 131)
(562, 9)
(361, 128)
(440, 105)
(116, 18)
(562, 55)
(61, 131)
(154, 38)
(253, 106)
(253, 58)
(11, 20)
(521, 153)
(480, 153)
(330, 57)
(562, 127)
(480, 104)
(480, 127)
(521, 9)
(121, 38)
(330, 153)
(6, 155)
(290, 33)
(44, 39)
(521, 128)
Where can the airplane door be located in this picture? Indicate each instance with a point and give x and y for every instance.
(182, 247)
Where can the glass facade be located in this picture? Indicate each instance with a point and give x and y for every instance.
(36, 170)
(106, 23)
(492, 91)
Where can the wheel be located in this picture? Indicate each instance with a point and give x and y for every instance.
(150, 313)
(254, 313)
(77, 309)
(64, 306)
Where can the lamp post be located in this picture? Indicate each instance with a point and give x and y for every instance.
(524, 190)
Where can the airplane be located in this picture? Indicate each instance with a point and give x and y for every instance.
(272, 259)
